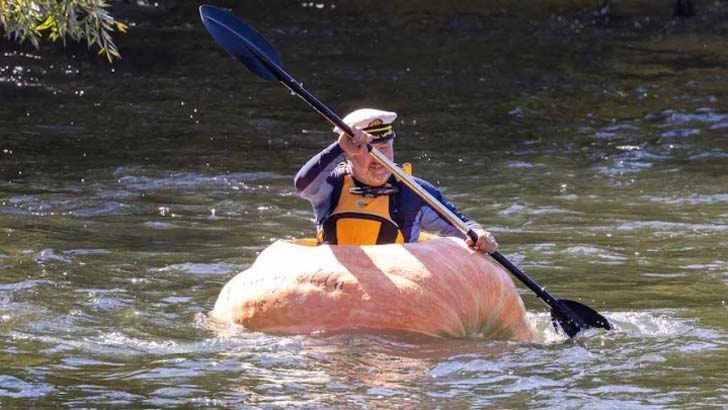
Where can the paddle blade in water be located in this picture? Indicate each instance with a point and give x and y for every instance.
(241, 41)
(584, 317)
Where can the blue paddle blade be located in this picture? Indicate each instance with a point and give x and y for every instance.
(241, 41)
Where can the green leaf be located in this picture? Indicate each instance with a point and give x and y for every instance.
(48, 23)
(79, 20)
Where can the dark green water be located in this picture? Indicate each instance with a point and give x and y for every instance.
(130, 194)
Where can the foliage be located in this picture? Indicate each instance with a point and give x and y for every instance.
(87, 20)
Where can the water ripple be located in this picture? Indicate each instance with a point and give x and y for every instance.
(690, 199)
(176, 180)
(14, 387)
(664, 226)
(217, 269)
(681, 132)
(704, 115)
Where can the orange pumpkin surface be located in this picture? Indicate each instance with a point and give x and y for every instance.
(439, 287)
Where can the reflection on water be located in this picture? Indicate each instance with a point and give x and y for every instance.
(130, 194)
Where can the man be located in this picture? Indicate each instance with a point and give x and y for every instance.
(359, 202)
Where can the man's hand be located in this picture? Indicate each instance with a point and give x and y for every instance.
(357, 145)
(486, 242)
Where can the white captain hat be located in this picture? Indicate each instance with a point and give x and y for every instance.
(375, 122)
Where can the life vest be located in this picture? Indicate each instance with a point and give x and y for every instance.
(360, 217)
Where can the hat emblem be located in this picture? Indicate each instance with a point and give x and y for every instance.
(375, 122)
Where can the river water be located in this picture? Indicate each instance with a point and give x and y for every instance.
(129, 194)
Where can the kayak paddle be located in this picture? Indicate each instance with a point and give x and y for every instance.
(252, 50)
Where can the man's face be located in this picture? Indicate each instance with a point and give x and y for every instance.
(368, 170)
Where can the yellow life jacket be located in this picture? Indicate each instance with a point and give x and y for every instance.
(359, 220)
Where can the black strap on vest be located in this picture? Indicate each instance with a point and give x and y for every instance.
(366, 191)
(373, 192)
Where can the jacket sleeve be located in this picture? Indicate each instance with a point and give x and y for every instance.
(431, 221)
(312, 182)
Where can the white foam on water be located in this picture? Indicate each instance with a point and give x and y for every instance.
(651, 324)
(545, 331)
(522, 164)
(50, 255)
(594, 252)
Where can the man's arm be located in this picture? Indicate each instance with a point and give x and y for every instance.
(432, 221)
(311, 180)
